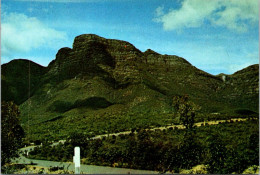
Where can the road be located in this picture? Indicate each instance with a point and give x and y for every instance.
(86, 169)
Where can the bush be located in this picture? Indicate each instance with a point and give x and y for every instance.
(217, 155)
(11, 169)
(190, 151)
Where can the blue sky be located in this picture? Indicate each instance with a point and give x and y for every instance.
(217, 36)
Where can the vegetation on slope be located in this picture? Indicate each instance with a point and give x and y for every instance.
(20, 79)
(224, 148)
(101, 81)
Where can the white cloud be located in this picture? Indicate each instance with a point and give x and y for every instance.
(21, 33)
(232, 14)
(159, 11)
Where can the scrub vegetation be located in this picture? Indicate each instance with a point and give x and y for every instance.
(224, 148)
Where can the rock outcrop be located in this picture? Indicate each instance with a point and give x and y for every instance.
(92, 54)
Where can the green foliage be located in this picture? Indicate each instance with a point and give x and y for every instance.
(85, 99)
(86, 80)
(190, 151)
(97, 123)
(16, 85)
(11, 131)
(225, 148)
(217, 155)
(11, 169)
(186, 110)
(253, 148)
(78, 139)
(184, 155)
(223, 160)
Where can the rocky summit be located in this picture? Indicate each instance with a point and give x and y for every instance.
(113, 76)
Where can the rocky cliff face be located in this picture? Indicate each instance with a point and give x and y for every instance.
(92, 54)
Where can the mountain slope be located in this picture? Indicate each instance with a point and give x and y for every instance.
(241, 89)
(19, 79)
(104, 79)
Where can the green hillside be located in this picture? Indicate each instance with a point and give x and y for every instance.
(19, 79)
(104, 85)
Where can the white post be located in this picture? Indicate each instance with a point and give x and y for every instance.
(76, 160)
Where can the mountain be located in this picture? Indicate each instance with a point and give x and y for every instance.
(19, 79)
(107, 77)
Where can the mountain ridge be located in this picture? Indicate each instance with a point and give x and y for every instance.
(99, 76)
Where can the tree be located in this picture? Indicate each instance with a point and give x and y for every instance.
(253, 149)
(186, 110)
(217, 155)
(11, 133)
(190, 152)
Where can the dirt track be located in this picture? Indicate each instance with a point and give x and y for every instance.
(173, 126)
